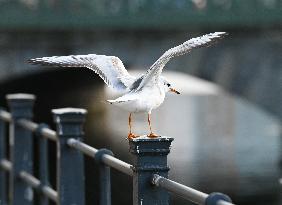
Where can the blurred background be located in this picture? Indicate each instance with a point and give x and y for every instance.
(226, 123)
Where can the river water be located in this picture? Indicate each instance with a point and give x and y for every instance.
(222, 143)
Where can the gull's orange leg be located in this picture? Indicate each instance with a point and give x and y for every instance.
(130, 134)
(151, 135)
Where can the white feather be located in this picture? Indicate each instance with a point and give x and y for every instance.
(109, 68)
(155, 70)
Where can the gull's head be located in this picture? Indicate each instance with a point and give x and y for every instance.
(167, 85)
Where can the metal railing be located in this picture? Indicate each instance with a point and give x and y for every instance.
(149, 170)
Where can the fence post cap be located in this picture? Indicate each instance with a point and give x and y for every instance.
(21, 105)
(145, 138)
(20, 96)
(69, 115)
(145, 145)
(69, 110)
(69, 121)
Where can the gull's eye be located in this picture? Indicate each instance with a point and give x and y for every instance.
(168, 85)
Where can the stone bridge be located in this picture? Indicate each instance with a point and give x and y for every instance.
(247, 64)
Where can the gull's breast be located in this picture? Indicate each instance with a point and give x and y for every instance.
(145, 100)
(150, 99)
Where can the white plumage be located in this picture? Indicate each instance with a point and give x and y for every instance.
(109, 68)
(142, 94)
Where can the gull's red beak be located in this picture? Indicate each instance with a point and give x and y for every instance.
(174, 91)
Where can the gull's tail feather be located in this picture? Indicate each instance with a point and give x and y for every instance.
(110, 101)
(117, 101)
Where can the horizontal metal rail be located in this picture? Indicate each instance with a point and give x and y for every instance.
(36, 184)
(183, 191)
(32, 126)
(5, 116)
(6, 165)
(31, 181)
(29, 125)
(117, 164)
(84, 148)
(106, 159)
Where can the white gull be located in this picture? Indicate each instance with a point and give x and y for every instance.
(140, 94)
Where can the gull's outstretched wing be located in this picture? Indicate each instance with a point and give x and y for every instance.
(155, 70)
(109, 68)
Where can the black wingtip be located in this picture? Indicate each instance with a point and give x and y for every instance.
(225, 34)
(36, 61)
(222, 34)
(32, 61)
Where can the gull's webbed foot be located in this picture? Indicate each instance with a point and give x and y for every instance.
(131, 136)
(152, 135)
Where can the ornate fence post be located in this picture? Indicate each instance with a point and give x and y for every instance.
(150, 157)
(21, 148)
(70, 164)
(3, 193)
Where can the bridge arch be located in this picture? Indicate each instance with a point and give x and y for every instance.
(247, 64)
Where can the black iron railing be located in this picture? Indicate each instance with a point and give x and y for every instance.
(149, 170)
